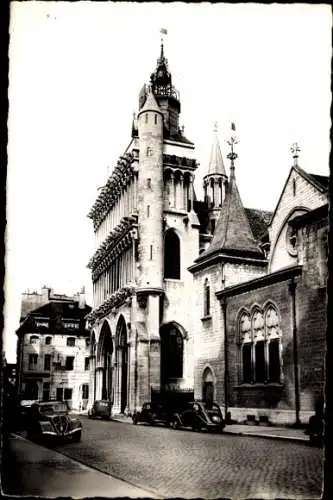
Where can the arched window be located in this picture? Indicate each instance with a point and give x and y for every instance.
(71, 341)
(206, 298)
(48, 340)
(172, 347)
(171, 255)
(245, 336)
(34, 339)
(260, 345)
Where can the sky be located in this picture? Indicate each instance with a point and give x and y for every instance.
(75, 73)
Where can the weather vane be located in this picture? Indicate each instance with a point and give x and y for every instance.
(295, 149)
(232, 141)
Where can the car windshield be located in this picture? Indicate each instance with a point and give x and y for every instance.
(212, 408)
(53, 408)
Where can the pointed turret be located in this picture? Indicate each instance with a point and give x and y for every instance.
(216, 165)
(214, 183)
(233, 232)
(150, 103)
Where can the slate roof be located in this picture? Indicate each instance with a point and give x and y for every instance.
(233, 232)
(216, 165)
(259, 220)
(321, 180)
(56, 311)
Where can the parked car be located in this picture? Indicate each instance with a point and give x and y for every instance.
(199, 415)
(52, 420)
(23, 408)
(100, 409)
(152, 414)
(315, 430)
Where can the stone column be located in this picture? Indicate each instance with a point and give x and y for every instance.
(190, 191)
(172, 190)
(181, 191)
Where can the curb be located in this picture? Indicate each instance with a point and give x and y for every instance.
(267, 436)
(241, 433)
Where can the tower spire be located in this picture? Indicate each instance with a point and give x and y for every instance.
(216, 165)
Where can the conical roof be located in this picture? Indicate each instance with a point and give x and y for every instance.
(216, 165)
(233, 232)
(150, 104)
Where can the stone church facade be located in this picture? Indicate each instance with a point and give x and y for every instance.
(204, 296)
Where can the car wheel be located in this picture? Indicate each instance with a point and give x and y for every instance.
(77, 437)
(196, 428)
(174, 423)
(135, 420)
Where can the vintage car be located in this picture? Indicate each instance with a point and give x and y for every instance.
(152, 414)
(199, 415)
(100, 409)
(51, 420)
(22, 410)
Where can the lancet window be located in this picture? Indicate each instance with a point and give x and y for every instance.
(260, 346)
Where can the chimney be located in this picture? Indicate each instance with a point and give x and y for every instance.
(82, 298)
(45, 294)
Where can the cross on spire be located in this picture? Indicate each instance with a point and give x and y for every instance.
(295, 149)
(232, 155)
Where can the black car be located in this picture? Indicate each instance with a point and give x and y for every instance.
(101, 409)
(51, 420)
(152, 414)
(199, 415)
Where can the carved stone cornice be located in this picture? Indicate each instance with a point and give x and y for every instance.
(116, 299)
(122, 175)
(119, 238)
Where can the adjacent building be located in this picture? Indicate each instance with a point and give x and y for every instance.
(206, 297)
(53, 349)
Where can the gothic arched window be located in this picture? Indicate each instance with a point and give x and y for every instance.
(171, 255)
(260, 345)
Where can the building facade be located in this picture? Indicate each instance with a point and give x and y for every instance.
(53, 350)
(167, 270)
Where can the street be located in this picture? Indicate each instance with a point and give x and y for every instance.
(187, 464)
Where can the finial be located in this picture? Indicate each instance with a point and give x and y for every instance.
(215, 127)
(182, 129)
(232, 155)
(295, 149)
(163, 31)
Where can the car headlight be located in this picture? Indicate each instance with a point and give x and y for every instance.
(46, 426)
(75, 423)
(215, 418)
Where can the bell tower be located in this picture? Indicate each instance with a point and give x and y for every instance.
(165, 94)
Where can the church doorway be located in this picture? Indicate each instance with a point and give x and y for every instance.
(172, 353)
(122, 364)
(208, 386)
(106, 358)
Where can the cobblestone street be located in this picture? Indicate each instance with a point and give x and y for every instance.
(188, 464)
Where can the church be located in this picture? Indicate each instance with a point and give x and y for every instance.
(205, 299)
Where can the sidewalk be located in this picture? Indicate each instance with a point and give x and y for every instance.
(286, 433)
(33, 470)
